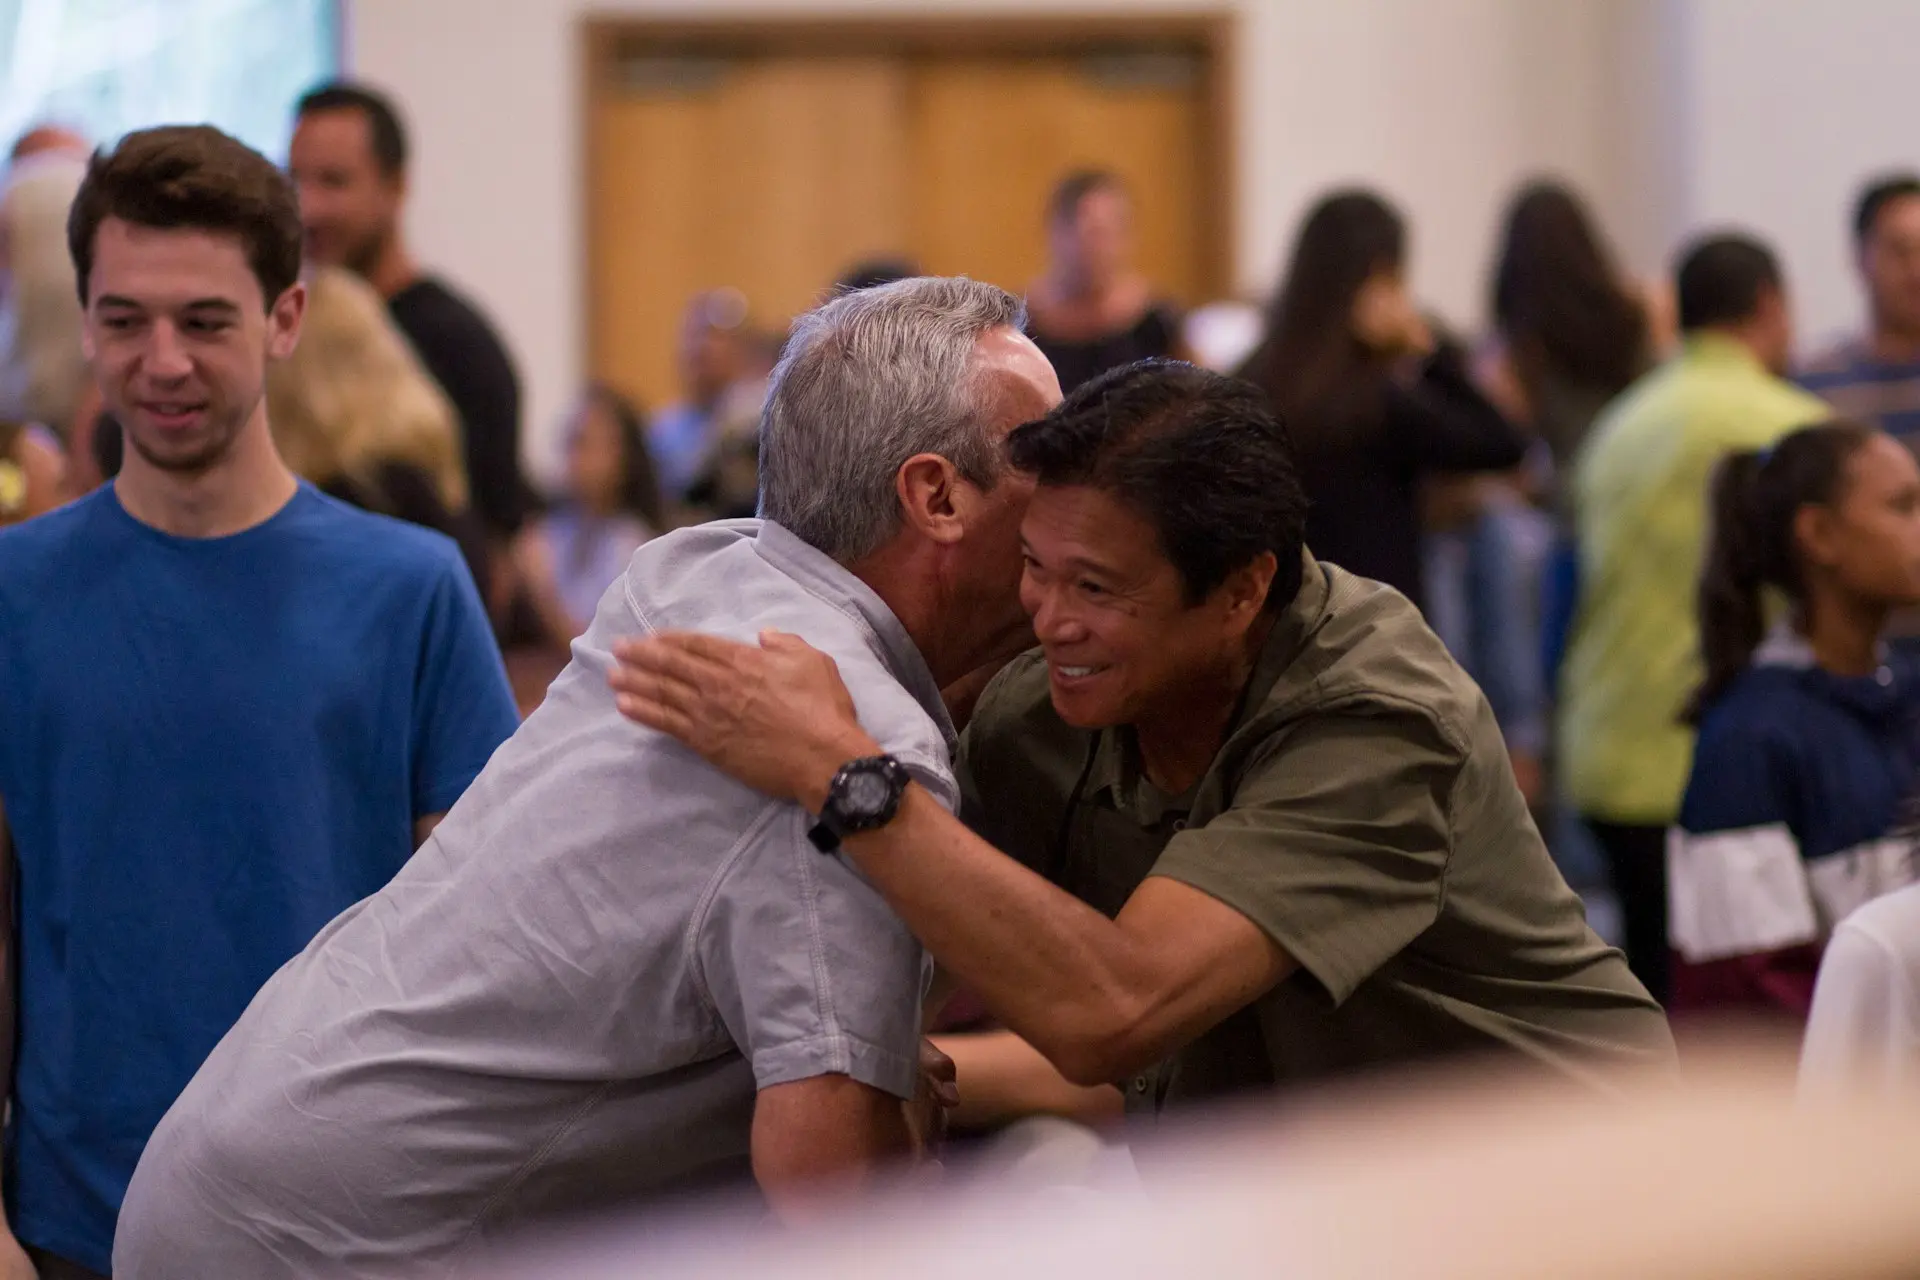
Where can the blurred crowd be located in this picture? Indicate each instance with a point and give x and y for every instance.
(1680, 562)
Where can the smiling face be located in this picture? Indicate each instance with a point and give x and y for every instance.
(1123, 643)
(178, 335)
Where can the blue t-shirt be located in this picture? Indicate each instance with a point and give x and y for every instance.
(208, 749)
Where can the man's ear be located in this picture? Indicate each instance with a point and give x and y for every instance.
(397, 194)
(1245, 590)
(284, 318)
(931, 497)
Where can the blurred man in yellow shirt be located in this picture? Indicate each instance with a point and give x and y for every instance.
(1640, 494)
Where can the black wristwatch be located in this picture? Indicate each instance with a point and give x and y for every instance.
(865, 794)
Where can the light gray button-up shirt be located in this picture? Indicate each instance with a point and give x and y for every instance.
(570, 995)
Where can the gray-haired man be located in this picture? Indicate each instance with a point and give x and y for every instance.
(612, 972)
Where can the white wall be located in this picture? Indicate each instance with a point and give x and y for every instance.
(1792, 105)
(1443, 104)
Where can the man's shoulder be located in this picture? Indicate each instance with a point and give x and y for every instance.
(1742, 404)
(1017, 740)
(713, 578)
(430, 309)
(1372, 653)
(43, 554)
(1620, 418)
(342, 533)
(58, 528)
(1017, 705)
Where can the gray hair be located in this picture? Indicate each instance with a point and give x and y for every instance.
(868, 380)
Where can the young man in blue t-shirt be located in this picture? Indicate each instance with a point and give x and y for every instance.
(229, 706)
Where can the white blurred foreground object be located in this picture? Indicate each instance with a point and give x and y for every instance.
(1720, 1179)
(1222, 334)
(1864, 1030)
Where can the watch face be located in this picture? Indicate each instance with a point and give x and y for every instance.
(867, 793)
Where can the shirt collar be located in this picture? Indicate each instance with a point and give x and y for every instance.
(1785, 647)
(831, 581)
(1115, 767)
(1706, 346)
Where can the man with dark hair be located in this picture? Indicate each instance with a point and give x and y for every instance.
(1876, 376)
(1639, 495)
(233, 705)
(349, 162)
(1262, 829)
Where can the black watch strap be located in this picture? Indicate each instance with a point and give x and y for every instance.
(864, 795)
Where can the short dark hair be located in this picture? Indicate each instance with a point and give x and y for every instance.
(388, 135)
(1201, 456)
(191, 177)
(1077, 186)
(1721, 279)
(1876, 195)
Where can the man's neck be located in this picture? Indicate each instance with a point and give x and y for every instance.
(1179, 742)
(246, 488)
(902, 575)
(393, 269)
(1892, 345)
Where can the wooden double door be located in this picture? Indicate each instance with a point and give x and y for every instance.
(772, 169)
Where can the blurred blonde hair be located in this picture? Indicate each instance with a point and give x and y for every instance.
(354, 397)
(42, 368)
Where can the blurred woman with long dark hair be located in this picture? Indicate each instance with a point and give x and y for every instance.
(1800, 806)
(1573, 330)
(1375, 402)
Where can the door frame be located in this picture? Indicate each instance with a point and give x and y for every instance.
(1212, 34)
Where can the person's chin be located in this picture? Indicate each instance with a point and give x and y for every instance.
(1084, 697)
(178, 453)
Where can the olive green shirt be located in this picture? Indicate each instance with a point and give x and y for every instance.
(1363, 812)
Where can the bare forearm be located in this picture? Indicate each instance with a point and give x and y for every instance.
(1002, 1078)
(1057, 972)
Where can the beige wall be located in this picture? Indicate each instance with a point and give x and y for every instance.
(1443, 104)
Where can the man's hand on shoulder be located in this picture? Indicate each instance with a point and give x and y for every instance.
(776, 717)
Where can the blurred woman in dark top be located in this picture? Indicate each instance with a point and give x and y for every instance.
(356, 413)
(1571, 331)
(1092, 311)
(1374, 401)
